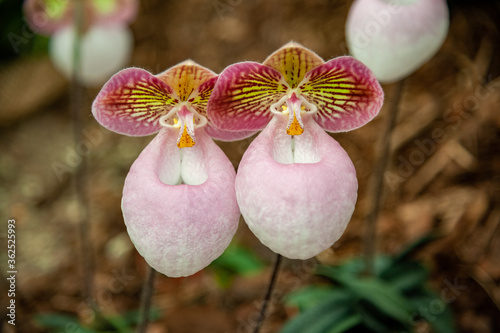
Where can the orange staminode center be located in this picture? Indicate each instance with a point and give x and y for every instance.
(185, 140)
(295, 128)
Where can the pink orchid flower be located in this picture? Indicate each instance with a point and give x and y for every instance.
(179, 202)
(395, 37)
(296, 187)
(106, 42)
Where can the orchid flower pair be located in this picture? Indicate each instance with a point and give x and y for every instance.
(106, 41)
(296, 187)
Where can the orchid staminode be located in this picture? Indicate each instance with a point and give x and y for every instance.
(106, 42)
(296, 187)
(395, 37)
(179, 201)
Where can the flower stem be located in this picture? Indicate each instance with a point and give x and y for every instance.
(147, 294)
(378, 181)
(269, 292)
(80, 175)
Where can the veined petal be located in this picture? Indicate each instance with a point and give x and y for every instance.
(185, 78)
(46, 16)
(293, 61)
(132, 101)
(114, 11)
(242, 96)
(199, 97)
(346, 93)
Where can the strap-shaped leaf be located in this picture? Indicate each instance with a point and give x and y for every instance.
(440, 318)
(313, 295)
(293, 61)
(346, 323)
(385, 298)
(374, 321)
(414, 247)
(185, 78)
(346, 93)
(321, 318)
(406, 275)
(58, 322)
(132, 101)
(242, 96)
(379, 293)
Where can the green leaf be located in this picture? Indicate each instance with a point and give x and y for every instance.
(319, 319)
(374, 320)
(431, 307)
(412, 248)
(333, 273)
(406, 275)
(238, 260)
(384, 297)
(120, 323)
(313, 295)
(356, 266)
(346, 324)
(62, 323)
(132, 318)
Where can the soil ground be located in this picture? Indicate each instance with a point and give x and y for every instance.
(448, 182)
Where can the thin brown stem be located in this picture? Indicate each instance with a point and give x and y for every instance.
(269, 292)
(147, 295)
(80, 175)
(370, 242)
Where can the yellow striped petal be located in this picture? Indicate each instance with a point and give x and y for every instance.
(293, 61)
(346, 93)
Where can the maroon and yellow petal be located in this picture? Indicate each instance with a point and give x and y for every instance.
(243, 95)
(185, 78)
(346, 93)
(199, 98)
(293, 61)
(132, 101)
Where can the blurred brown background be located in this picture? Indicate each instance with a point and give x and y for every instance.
(450, 184)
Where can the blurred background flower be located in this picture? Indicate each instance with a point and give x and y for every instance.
(101, 26)
(395, 37)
